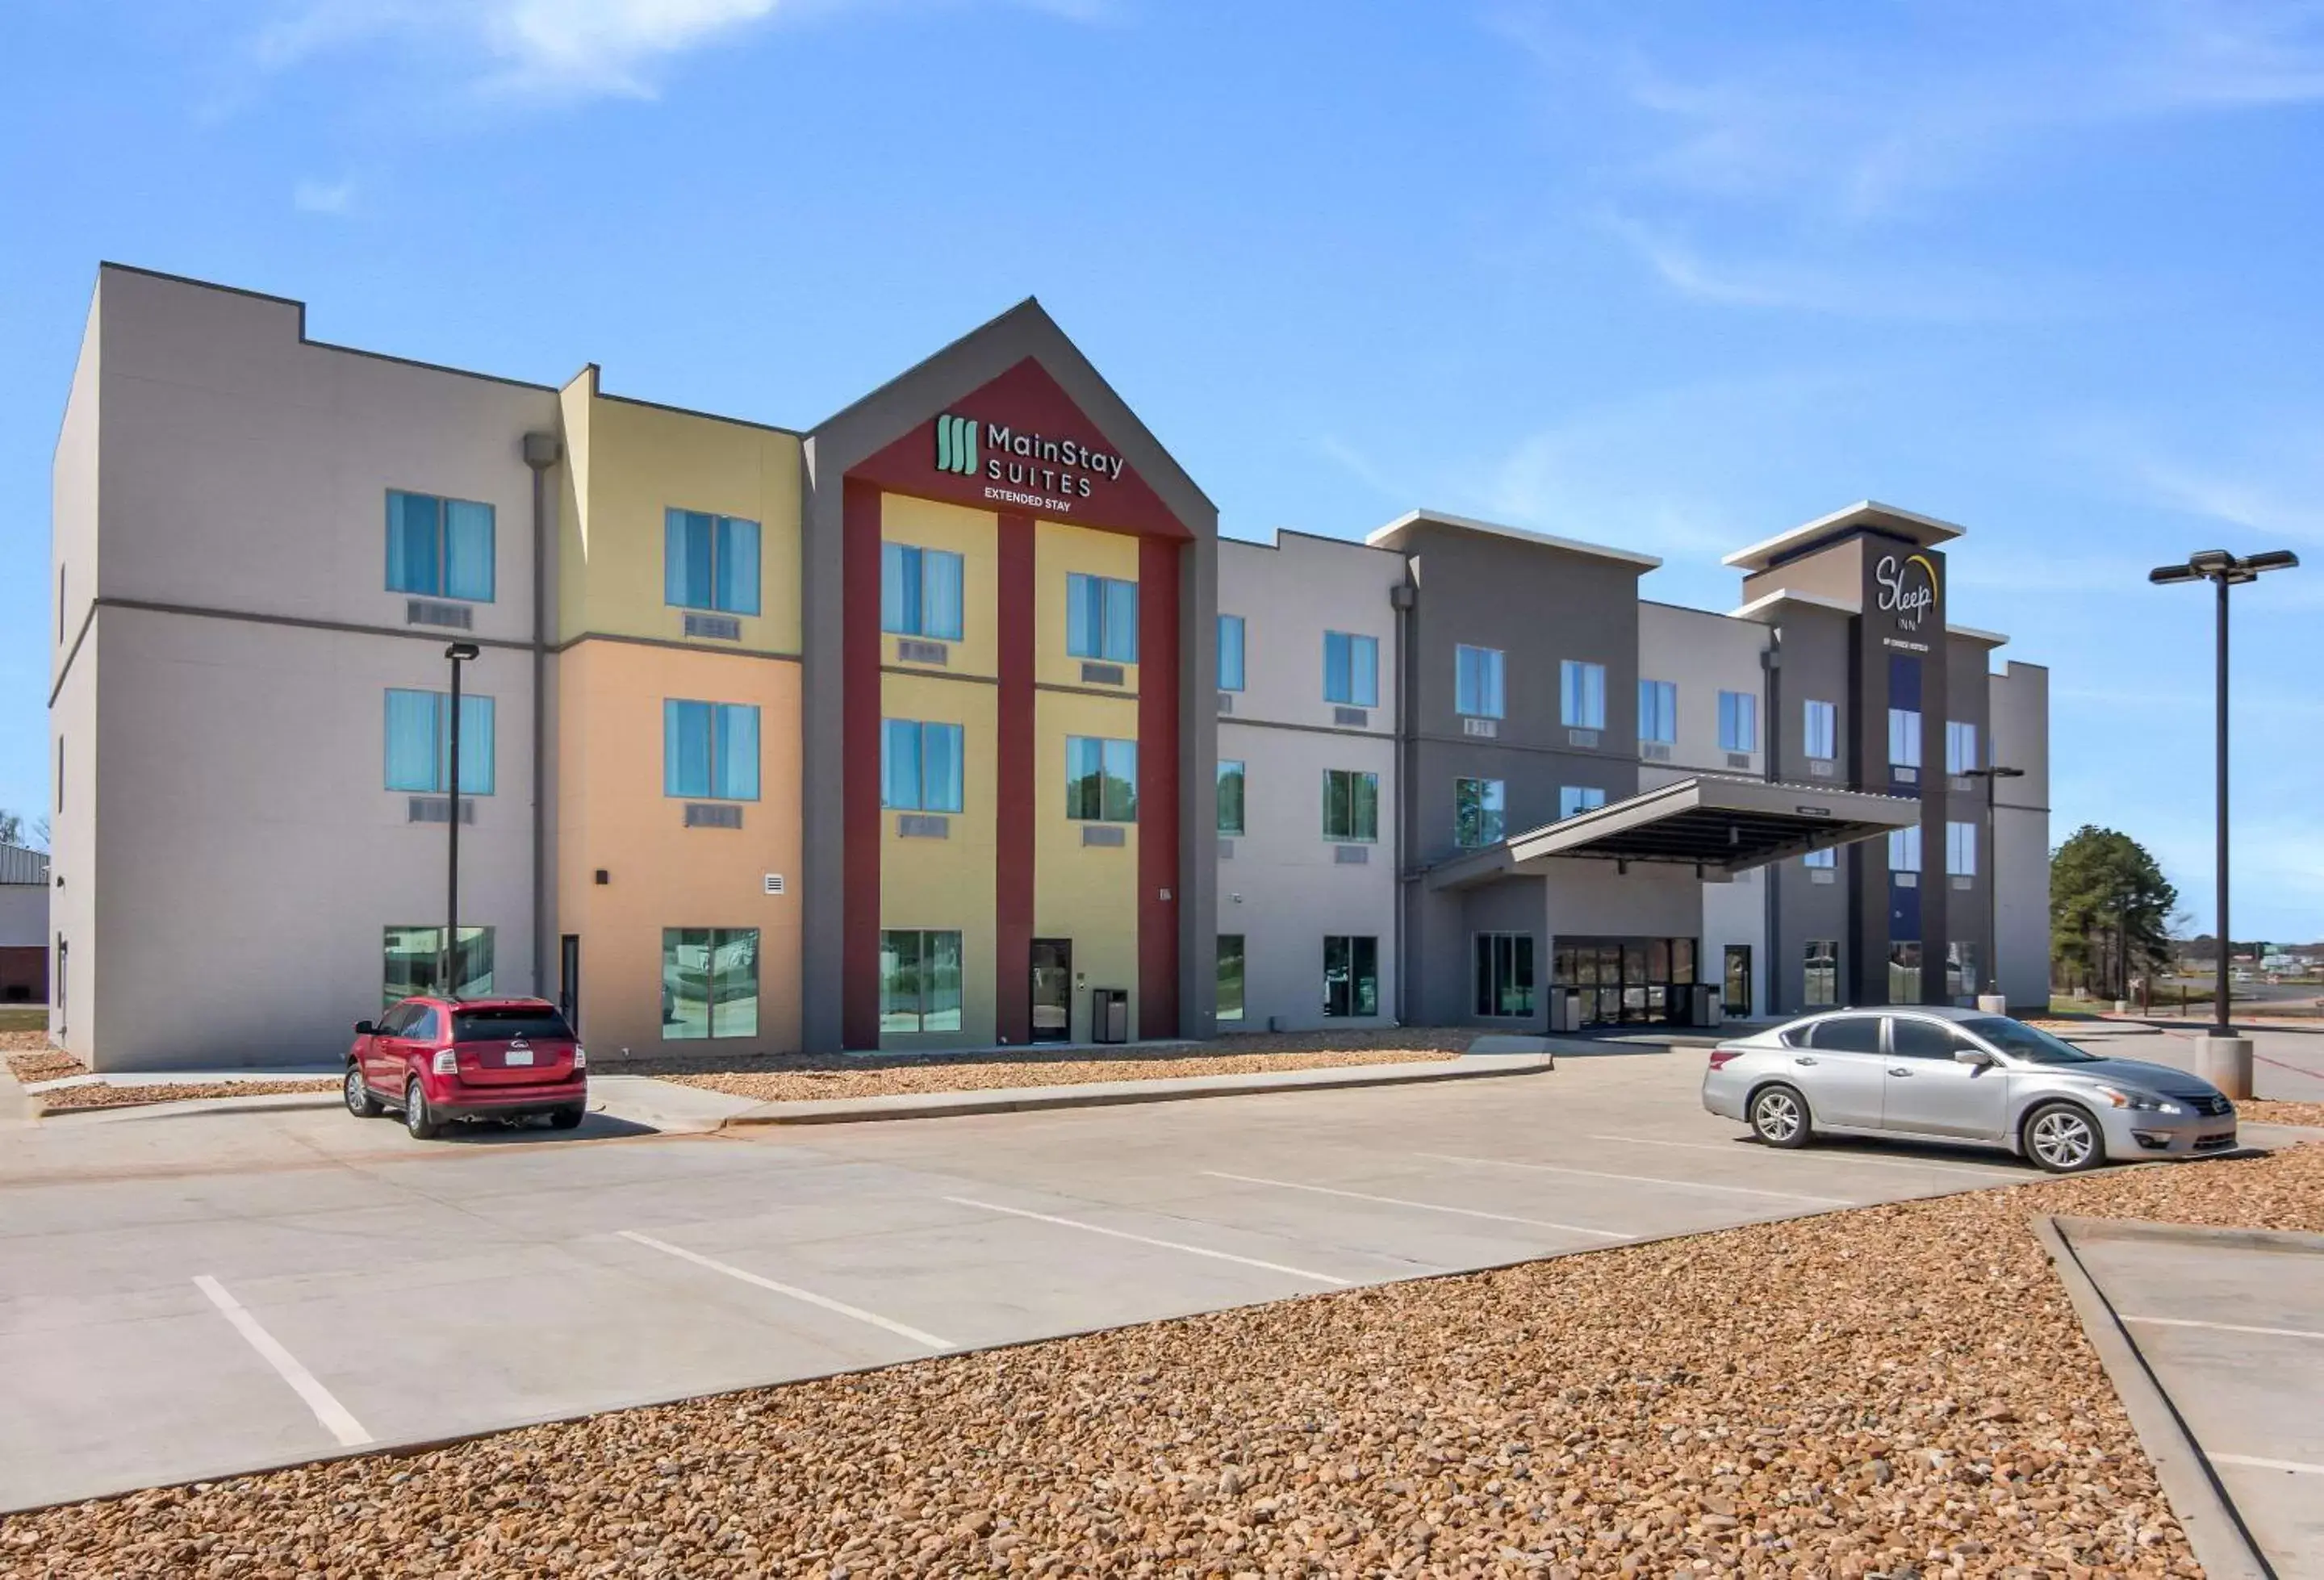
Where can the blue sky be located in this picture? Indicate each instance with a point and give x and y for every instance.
(1673, 277)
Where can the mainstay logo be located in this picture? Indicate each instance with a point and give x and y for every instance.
(1908, 596)
(1025, 469)
(957, 445)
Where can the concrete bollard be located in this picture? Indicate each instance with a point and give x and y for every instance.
(2226, 1063)
(1992, 1003)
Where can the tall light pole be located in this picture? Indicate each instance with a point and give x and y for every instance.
(460, 652)
(2223, 1053)
(1990, 773)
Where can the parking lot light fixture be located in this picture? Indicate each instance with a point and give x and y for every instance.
(448, 975)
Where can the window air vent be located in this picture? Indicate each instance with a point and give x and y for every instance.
(1104, 834)
(1963, 882)
(1655, 751)
(1822, 875)
(1961, 781)
(911, 650)
(1103, 675)
(1904, 775)
(1906, 880)
(1226, 850)
(438, 810)
(1739, 760)
(715, 627)
(1490, 728)
(713, 815)
(774, 883)
(1356, 716)
(429, 612)
(1822, 767)
(1351, 855)
(922, 825)
(1581, 737)
(1226, 702)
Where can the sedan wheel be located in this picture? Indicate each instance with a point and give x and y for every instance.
(2063, 1140)
(360, 1102)
(417, 1119)
(1779, 1117)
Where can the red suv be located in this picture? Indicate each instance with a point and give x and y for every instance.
(440, 1059)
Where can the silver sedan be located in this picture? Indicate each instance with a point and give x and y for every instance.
(1938, 1074)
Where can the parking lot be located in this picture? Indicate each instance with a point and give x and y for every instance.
(188, 1297)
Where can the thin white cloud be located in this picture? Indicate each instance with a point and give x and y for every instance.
(313, 196)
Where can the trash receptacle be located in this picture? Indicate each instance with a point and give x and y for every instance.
(1565, 1009)
(1108, 1014)
(1710, 1005)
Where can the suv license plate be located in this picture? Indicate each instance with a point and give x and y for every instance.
(517, 1056)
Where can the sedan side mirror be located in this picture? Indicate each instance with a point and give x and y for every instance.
(1975, 1057)
(365, 1029)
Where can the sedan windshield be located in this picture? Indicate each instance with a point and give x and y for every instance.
(2019, 1040)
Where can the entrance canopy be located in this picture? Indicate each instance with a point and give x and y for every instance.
(1719, 825)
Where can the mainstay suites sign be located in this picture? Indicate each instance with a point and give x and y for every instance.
(1023, 467)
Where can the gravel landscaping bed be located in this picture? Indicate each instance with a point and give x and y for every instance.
(31, 1058)
(2263, 1111)
(792, 1077)
(1896, 1391)
(108, 1094)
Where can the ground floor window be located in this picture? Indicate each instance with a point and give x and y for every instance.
(1633, 980)
(414, 964)
(1961, 969)
(1351, 976)
(919, 982)
(1821, 984)
(1504, 975)
(1905, 971)
(1231, 977)
(1736, 988)
(709, 983)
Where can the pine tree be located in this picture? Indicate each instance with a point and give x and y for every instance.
(2109, 910)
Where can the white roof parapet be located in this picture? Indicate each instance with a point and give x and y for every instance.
(1762, 608)
(1926, 532)
(1522, 534)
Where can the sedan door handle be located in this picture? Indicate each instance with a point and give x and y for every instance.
(1801, 1058)
(1894, 1071)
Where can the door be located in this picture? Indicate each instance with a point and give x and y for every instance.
(1842, 1071)
(1926, 1091)
(1736, 982)
(1053, 989)
(380, 1052)
(568, 980)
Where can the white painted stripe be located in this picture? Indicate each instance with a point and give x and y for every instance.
(1639, 1178)
(1273, 1267)
(327, 1409)
(2296, 1466)
(1731, 1149)
(807, 1296)
(1428, 1206)
(2226, 1327)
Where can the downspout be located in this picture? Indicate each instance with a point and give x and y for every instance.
(541, 451)
(1773, 660)
(1401, 598)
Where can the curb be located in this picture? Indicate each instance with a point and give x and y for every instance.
(2214, 1529)
(1110, 1094)
(187, 1107)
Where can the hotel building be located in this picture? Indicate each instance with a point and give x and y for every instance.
(948, 722)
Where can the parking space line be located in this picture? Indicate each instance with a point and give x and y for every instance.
(1429, 1207)
(2294, 1465)
(808, 1296)
(1639, 1178)
(1732, 1150)
(2225, 1326)
(1273, 1267)
(328, 1410)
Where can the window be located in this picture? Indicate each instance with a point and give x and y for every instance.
(1477, 813)
(1910, 1036)
(710, 751)
(1904, 972)
(1477, 681)
(1960, 969)
(1101, 618)
(1350, 975)
(439, 547)
(1576, 798)
(1658, 711)
(709, 983)
(919, 982)
(1820, 730)
(1960, 850)
(1905, 849)
(500, 1022)
(1351, 806)
(1350, 670)
(1504, 973)
(919, 766)
(1847, 1034)
(1230, 797)
(1582, 695)
(1960, 746)
(1735, 981)
(1819, 986)
(710, 562)
(413, 959)
(1903, 737)
(1231, 634)
(420, 745)
(1826, 858)
(1231, 977)
(1101, 780)
(919, 591)
(1738, 721)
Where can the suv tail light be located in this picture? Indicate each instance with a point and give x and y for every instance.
(447, 1061)
(1719, 1055)
(580, 1057)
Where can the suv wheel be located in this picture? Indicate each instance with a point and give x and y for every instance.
(1779, 1117)
(417, 1119)
(2063, 1139)
(360, 1102)
(567, 1118)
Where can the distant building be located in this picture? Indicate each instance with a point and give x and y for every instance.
(23, 926)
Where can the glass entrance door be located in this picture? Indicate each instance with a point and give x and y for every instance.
(1737, 987)
(1624, 981)
(1053, 989)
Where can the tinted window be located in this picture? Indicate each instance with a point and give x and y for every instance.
(425, 1024)
(2019, 1040)
(1849, 1034)
(1910, 1036)
(392, 1023)
(533, 1022)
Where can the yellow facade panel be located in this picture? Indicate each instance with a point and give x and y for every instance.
(1059, 552)
(948, 884)
(974, 536)
(1084, 892)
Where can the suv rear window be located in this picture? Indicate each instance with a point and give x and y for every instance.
(534, 1025)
